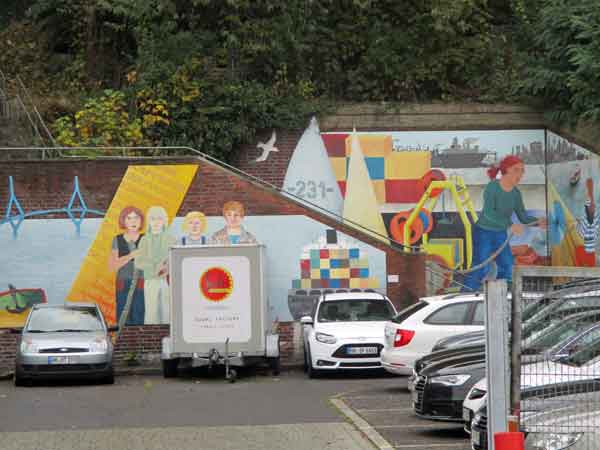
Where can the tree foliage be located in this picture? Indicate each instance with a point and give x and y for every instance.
(563, 65)
(219, 70)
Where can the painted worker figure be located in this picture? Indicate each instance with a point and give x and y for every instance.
(501, 198)
(153, 260)
(233, 233)
(587, 228)
(194, 225)
(124, 249)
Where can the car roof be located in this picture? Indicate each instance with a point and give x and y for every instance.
(353, 296)
(463, 296)
(66, 305)
(470, 296)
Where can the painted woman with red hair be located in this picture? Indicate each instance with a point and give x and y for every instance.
(501, 198)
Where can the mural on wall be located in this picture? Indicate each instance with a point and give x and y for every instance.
(329, 265)
(309, 177)
(102, 259)
(573, 196)
(427, 190)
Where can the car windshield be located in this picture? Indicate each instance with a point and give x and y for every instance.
(355, 310)
(409, 311)
(555, 334)
(534, 308)
(583, 356)
(73, 319)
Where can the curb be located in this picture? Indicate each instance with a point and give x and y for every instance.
(362, 425)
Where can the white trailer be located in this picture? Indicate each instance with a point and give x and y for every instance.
(219, 310)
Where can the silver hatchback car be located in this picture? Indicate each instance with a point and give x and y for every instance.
(65, 341)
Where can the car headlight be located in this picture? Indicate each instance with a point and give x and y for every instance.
(554, 441)
(27, 346)
(451, 380)
(325, 338)
(99, 345)
(476, 393)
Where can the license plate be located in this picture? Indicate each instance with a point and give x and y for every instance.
(466, 414)
(415, 396)
(62, 359)
(362, 350)
(475, 437)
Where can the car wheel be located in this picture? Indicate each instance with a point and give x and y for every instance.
(310, 370)
(109, 379)
(20, 381)
(169, 367)
(275, 366)
(305, 365)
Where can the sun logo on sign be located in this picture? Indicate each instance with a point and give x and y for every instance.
(216, 284)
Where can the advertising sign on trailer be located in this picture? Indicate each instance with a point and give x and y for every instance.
(216, 299)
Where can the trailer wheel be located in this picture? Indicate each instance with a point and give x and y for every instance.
(275, 366)
(232, 375)
(169, 367)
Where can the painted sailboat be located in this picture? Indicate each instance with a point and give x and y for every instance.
(309, 177)
(361, 209)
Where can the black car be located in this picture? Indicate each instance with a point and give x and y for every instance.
(440, 390)
(447, 358)
(460, 340)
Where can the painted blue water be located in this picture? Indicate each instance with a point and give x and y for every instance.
(48, 253)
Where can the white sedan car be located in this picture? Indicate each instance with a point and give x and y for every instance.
(346, 332)
(415, 330)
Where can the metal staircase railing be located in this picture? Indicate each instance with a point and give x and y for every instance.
(16, 103)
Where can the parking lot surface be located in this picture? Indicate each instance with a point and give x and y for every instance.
(385, 406)
(259, 411)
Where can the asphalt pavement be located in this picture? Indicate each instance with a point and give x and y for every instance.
(204, 412)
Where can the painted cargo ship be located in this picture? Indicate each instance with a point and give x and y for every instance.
(329, 266)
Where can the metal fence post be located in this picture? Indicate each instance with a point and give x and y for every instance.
(515, 353)
(496, 351)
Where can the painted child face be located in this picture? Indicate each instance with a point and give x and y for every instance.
(195, 226)
(132, 221)
(515, 172)
(156, 224)
(233, 218)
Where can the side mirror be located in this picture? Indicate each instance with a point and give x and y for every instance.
(113, 329)
(306, 320)
(16, 330)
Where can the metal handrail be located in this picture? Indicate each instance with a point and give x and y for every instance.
(37, 113)
(60, 151)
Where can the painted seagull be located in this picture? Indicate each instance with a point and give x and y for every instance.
(267, 148)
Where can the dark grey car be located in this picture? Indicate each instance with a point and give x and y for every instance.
(65, 341)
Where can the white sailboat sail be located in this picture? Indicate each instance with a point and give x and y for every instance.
(361, 206)
(309, 176)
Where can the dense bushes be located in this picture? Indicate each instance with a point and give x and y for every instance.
(222, 69)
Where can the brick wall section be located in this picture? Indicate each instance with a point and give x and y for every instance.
(141, 342)
(273, 169)
(8, 349)
(144, 342)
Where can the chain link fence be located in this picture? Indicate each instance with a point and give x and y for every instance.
(555, 360)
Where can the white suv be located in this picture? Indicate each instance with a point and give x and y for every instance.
(346, 332)
(415, 330)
